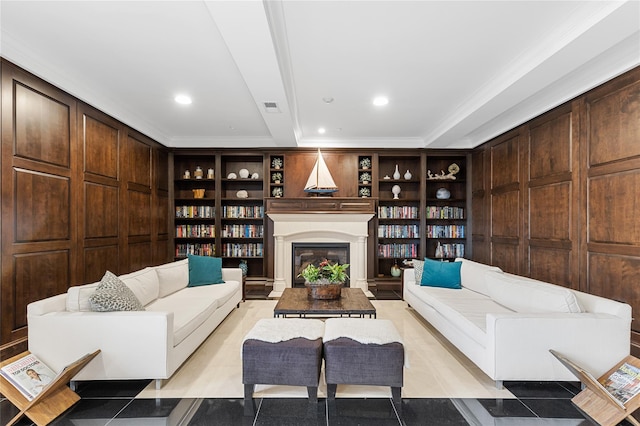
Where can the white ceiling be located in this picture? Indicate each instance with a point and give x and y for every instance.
(456, 72)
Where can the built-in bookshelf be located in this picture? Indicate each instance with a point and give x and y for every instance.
(446, 210)
(195, 205)
(398, 219)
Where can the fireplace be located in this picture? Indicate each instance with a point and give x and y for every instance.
(314, 253)
(324, 228)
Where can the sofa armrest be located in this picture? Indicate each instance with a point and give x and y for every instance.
(134, 345)
(232, 274)
(595, 341)
(409, 276)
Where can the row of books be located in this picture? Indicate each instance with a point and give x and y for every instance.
(198, 249)
(195, 231)
(191, 212)
(398, 250)
(445, 231)
(444, 212)
(242, 250)
(398, 231)
(397, 212)
(449, 250)
(241, 212)
(242, 231)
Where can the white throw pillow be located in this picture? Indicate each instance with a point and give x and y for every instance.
(173, 276)
(523, 294)
(144, 284)
(472, 275)
(78, 297)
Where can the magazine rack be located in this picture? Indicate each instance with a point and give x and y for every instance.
(54, 399)
(596, 401)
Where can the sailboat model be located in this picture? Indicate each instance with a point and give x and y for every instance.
(320, 180)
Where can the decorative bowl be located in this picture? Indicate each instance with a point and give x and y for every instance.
(323, 291)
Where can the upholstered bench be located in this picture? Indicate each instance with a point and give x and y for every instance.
(363, 351)
(279, 351)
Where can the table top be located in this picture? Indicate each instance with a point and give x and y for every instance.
(352, 301)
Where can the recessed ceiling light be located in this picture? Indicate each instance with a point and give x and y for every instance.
(183, 99)
(327, 99)
(380, 100)
(322, 130)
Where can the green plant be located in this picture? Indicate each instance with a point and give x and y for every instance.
(277, 176)
(325, 272)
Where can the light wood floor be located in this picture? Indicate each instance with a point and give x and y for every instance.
(435, 368)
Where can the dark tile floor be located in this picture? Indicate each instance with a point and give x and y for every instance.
(114, 403)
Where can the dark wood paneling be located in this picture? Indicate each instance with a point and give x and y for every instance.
(138, 208)
(505, 255)
(550, 265)
(506, 211)
(139, 164)
(101, 205)
(342, 166)
(550, 211)
(161, 215)
(614, 203)
(613, 125)
(505, 163)
(98, 260)
(38, 275)
(101, 141)
(550, 147)
(41, 127)
(162, 171)
(42, 207)
(140, 255)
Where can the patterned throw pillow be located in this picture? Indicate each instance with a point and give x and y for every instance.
(418, 267)
(113, 295)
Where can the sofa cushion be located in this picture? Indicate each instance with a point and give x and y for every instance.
(441, 274)
(172, 277)
(418, 267)
(192, 306)
(113, 295)
(472, 275)
(528, 295)
(78, 297)
(143, 283)
(204, 270)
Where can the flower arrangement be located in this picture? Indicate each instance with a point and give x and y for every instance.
(365, 177)
(276, 177)
(325, 273)
(277, 191)
(365, 163)
(276, 163)
(365, 192)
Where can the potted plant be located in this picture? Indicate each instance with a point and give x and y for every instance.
(365, 177)
(365, 163)
(276, 163)
(326, 280)
(276, 177)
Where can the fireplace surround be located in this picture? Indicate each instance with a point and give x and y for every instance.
(304, 254)
(289, 228)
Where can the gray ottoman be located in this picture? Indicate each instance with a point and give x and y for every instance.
(279, 351)
(362, 351)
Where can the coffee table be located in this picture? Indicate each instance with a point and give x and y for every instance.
(352, 302)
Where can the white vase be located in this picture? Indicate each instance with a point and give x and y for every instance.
(396, 191)
(396, 174)
(408, 175)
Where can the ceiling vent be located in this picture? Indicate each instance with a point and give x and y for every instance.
(271, 107)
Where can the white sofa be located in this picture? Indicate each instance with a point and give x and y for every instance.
(149, 344)
(506, 324)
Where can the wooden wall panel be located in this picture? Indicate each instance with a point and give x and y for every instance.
(42, 126)
(39, 275)
(140, 255)
(479, 217)
(139, 164)
(506, 211)
(101, 143)
(102, 207)
(613, 125)
(550, 147)
(550, 212)
(98, 260)
(551, 265)
(614, 203)
(138, 208)
(505, 163)
(42, 206)
(505, 255)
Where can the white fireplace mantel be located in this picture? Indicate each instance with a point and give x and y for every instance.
(291, 228)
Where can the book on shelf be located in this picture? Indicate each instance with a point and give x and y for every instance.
(29, 375)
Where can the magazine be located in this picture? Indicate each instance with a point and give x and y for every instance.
(624, 383)
(29, 375)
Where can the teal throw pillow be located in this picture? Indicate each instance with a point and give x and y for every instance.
(441, 274)
(204, 270)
